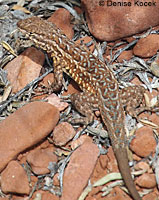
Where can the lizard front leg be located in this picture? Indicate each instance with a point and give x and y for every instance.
(58, 73)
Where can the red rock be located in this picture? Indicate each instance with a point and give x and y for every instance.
(39, 160)
(135, 157)
(44, 195)
(92, 197)
(148, 144)
(14, 179)
(100, 169)
(85, 40)
(136, 81)
(154, 118)
(151, 196)
(117, 194)
(45, 144)
(80, 141)
(125, 55)
(21, 158)
(78, 10)
(142, 166)
(54, 100)
(62, 19)
(147, 47)
(63, 133)
(103, 160)
(78, 171)
(56, 180)
(113, 22)
(16, 197)
(146, 180)
(129, 39)
(72, 88)
(112, 164)
(154, 67)
(33, 179)
(25, 68)
(49, 196)
(25, 128)
(47, 80)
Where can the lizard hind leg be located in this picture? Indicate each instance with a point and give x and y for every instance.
(132, 98)
(85, 103)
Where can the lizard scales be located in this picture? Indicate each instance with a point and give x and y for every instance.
(93, 76)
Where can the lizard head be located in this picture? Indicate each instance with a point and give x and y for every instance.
(39, 31)
(37, 27)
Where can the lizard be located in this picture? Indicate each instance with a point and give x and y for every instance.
(99, 86)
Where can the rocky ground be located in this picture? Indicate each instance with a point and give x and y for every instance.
(42, 156)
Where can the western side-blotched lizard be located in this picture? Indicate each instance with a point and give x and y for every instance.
(99, 86)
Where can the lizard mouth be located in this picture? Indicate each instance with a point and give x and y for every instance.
(33, 39)
(23, 33)
(27, 36)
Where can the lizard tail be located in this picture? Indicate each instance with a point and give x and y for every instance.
(122, 159)
(113, 117)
